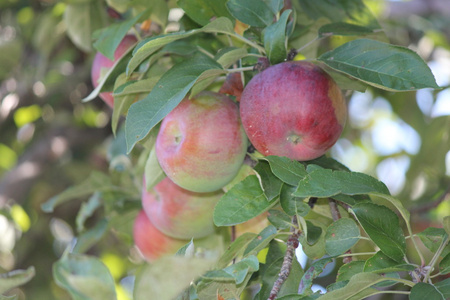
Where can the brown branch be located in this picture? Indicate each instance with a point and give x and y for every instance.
(292, 244)
(430, 205)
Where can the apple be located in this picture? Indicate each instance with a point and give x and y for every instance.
(201, 144)
(293, 109)
(101, 64)
(180, 213)
(151, 242)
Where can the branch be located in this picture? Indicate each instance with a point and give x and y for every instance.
(292, 244)
(430, 205)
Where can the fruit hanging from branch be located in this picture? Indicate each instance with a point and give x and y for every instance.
(293, 109)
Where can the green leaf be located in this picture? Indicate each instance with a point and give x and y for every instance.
(313, 233)
(84, 277)
(87, 209)
(270, 183)
(444, 287)
(423, 290)
(381, 263)
(355, 12)
(153, 171)
(342, 28)
(228, 56)
(149, 46)
(261, 240)
(382, 226)
(279, 219)
(446, 224)
(327, 183)
(252, 12)
(300, 297)
(274, 5)
(167, 277)
(313, 272)
(382, 65)
(289, 171)
(432, 238)
(112, 36)
(82, 19)
(237, 247)
(444, 265)
(236, 272)
(15, 278)
(168, 93)
(341, 235)
(203, 11)
(242, 202)
(91, 237)
(293, 205)
(275, 41)
(350, 269)
(358, 283)
(96, 181)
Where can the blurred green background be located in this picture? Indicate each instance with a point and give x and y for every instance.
(49, 140)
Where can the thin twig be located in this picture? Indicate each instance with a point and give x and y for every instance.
(292, 244)
(336, 215)
(430, 205)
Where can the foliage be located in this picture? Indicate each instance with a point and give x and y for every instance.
(370, 235)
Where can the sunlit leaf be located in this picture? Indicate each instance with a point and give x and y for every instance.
(341, 236)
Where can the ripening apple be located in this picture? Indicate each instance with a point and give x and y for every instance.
(293, 109)
(151, 242)
(180, 213)
(201, 144)
(101, 64)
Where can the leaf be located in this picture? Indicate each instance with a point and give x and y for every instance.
(252, 12)
(261, 240)
(165, 278)
(293, 205)
(357, 284)
(87, 209)
(382, 226)
(153, 171)
(228, 56)
(96, 181)
(313, 272)
(275, 41)
(242, 202)
(350, 269)
(381, 263)
(235, 248)
(432, 238)
(279, 219)
(444, 265)
(274, 5)
(84, 277)
(341, 235)
(444, 287)
(15, 278)
(168, 93)
(237, 272)
(112, 36)
(82, 19)
(382, 65)
(446, 224)
(90, 237)
(202, 11)
(313, 233)
(323, 183)
(270, 183)
(342, 28)
(150, 45)
(289, 171)
(423, 290)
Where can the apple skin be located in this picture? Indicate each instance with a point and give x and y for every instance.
(293, 109)
(201, 144)
(151, 242)
(180, 213)
(100, 61)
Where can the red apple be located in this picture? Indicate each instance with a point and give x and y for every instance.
(293, 109)
(151, 242)
(102, 62)
(180, 213)
(201, 144)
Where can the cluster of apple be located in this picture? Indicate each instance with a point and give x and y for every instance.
(291, 109)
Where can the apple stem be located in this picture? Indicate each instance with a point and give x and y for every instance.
(235, 70)
(292, 244)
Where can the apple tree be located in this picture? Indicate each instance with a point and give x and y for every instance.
(231, 167)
